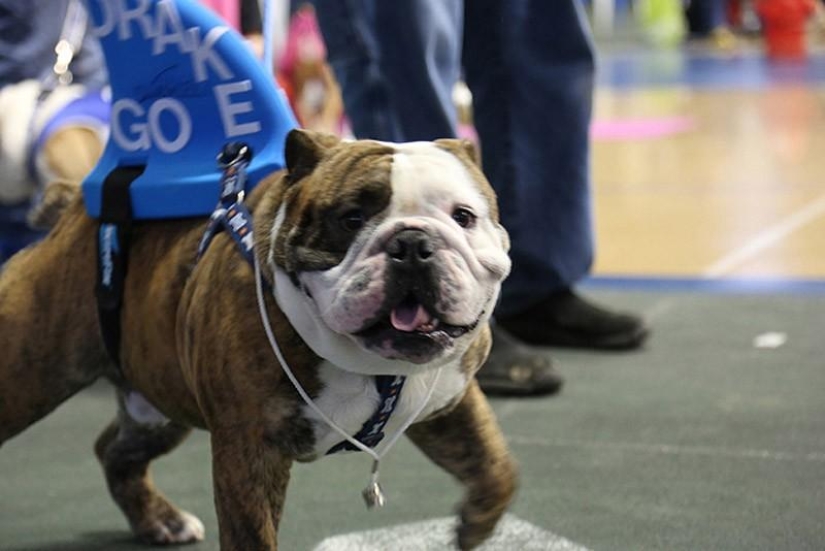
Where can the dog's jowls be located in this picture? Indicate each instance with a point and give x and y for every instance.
(381, 259)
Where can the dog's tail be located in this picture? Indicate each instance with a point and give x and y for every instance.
(56, 197)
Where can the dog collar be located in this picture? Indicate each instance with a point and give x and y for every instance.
(372, 432)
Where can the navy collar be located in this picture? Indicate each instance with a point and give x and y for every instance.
(372, 432)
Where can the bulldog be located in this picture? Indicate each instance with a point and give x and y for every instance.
(375, 259)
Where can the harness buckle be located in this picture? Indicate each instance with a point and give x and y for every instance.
(230, 214)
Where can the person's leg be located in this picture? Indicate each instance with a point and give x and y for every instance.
(530, 66)
(421, 57)
(352, 51)
(396, 63)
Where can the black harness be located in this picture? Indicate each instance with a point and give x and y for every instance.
(113, 235)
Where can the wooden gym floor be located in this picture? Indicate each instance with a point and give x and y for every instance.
(709, 166)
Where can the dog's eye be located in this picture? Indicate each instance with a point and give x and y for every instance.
(352, 220)
(464, 217)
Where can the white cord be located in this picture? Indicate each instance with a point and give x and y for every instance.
(277, 350)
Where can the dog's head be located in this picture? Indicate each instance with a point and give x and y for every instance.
(386, 254)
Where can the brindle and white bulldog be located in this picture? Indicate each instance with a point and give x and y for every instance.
(382, 259)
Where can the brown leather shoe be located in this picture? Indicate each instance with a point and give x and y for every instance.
(515, 369)
(566, 319)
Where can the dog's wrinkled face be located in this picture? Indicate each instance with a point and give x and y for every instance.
(393, 248)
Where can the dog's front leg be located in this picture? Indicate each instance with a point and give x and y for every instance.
(250, 480)
(468, 443)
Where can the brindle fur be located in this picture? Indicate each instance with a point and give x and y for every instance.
(194, 347)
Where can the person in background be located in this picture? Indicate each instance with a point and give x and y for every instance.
(45, 99)
(708, 20)
(306, 77)
(530, 68)
(29, 32)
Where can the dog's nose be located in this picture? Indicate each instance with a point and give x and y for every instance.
(410, 246)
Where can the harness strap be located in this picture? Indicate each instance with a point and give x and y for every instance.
(372, 431)
(231, 214)
(112, 253)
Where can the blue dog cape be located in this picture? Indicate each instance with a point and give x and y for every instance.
(183, 85)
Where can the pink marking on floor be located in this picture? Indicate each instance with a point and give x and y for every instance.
(640, 128)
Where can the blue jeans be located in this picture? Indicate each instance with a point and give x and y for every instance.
(530, 67)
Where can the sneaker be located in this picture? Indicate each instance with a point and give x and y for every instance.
(515, 369)
(565, 319)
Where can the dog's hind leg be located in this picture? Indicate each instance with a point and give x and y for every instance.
(125, 449)
(49, 343)
(468, 444)
(30, 390)
(46, 352)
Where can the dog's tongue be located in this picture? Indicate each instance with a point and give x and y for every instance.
(409, 316)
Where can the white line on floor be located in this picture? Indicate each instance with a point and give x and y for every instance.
(765, 239)
(669, 449)
(511, 534)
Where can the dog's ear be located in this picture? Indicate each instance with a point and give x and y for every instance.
(461, 148)
(304, 149)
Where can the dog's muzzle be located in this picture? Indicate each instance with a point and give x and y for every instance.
(409, 323)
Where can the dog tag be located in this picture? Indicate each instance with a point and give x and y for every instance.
(373, 496)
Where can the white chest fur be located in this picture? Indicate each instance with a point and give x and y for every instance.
(349, 399)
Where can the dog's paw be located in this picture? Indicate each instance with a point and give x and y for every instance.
(181, 527)
(471, 536)
(483, 509)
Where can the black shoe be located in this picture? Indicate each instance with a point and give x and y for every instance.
(566, 319)
(515, 369)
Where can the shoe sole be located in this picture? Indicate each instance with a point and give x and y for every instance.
(505, 389)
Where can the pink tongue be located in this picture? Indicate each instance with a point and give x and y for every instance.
(409, 317)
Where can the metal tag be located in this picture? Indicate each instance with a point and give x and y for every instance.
(373, 496)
